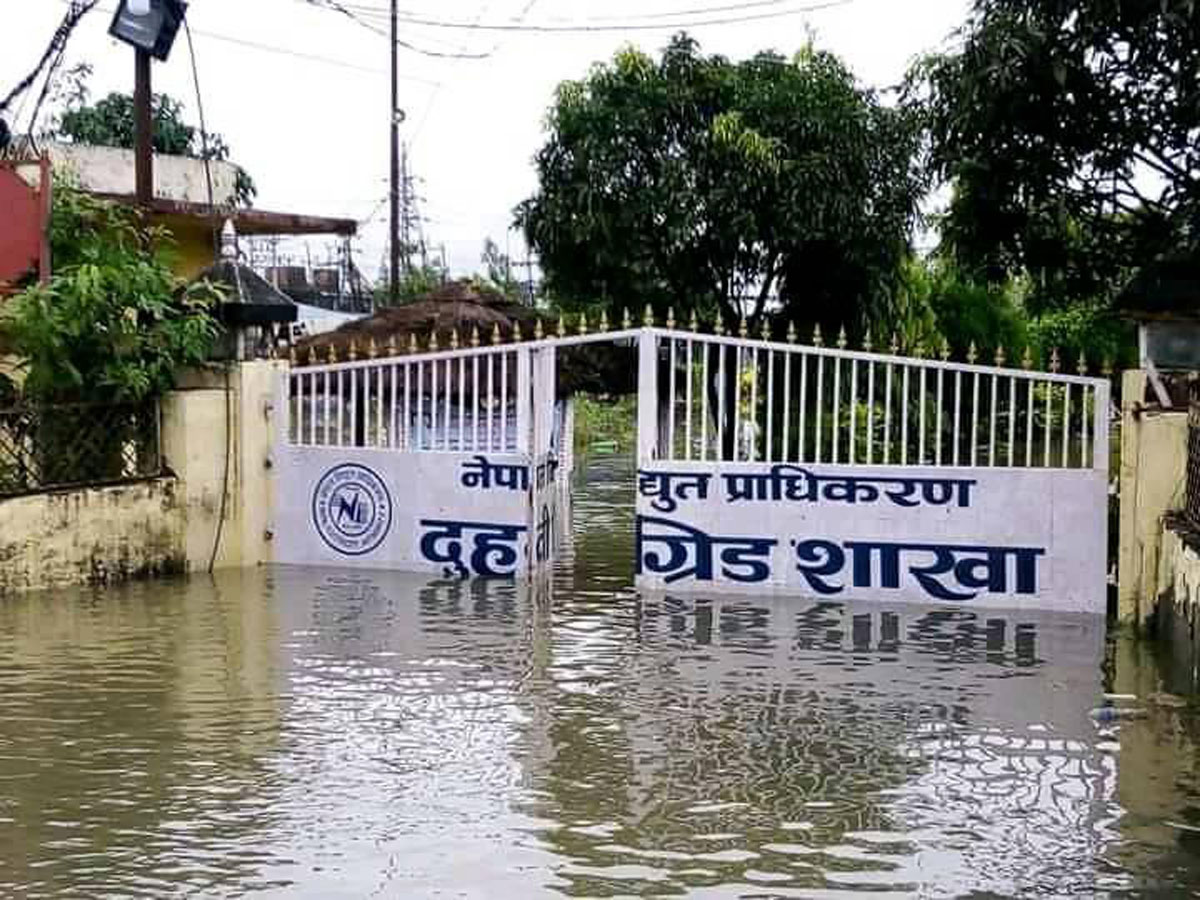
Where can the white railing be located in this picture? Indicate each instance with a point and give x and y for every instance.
(451, 400)
(705, 397)
(738, 399)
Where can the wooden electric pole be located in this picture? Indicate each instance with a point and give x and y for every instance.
(143, 124)
(395, 193)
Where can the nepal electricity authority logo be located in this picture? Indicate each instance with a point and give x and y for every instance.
(352, 509)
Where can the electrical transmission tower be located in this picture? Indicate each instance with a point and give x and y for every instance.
(412, 229)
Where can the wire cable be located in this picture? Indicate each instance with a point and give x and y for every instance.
(311, 57)
(61, 35)
(634, 17)
(212, 207)
(676, 13)
(204, 155)
(296, 54)
(432, 101)
(46, 85)
(354, 17)
(624, 26)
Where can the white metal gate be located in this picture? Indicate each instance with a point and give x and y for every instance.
(763, 465)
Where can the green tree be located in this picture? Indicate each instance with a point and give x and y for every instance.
(946, 306)
(1068, 131)
(114, 323)
(703, 184)
(110, 123)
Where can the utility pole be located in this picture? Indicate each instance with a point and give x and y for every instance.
(143, 124)
(395, 198)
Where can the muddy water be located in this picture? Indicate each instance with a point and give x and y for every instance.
(315, 734)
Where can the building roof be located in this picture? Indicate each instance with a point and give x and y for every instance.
(459, 306)
(252, 300)
(465, 306)
(1167, 288)
(246, 221)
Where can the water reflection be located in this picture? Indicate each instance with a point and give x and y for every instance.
(331, 734)
(137, 729)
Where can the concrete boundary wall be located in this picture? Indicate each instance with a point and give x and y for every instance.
(171, 524)
(91, 535)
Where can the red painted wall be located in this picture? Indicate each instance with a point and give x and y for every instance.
(20, 227)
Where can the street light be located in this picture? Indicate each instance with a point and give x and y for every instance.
(150, 27)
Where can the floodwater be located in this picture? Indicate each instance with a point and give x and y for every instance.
(316, 734)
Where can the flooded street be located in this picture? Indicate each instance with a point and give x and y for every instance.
(305, 733)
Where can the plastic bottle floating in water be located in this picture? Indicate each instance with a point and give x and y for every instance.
(1117, 713)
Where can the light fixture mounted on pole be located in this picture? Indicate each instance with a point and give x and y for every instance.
(150, 27)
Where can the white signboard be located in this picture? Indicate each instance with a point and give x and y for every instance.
(450, 514)
(996, 537)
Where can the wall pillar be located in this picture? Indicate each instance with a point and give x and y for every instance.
(647, 398)
(219, 430)
(1153, 473)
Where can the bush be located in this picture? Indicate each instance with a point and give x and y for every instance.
(604, 419)
(114, 323)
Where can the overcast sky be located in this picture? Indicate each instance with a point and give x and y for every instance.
(301, 93)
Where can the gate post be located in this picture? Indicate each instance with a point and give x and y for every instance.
(647, 398)
(524, 404)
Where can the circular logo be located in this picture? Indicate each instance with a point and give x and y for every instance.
(352, 509)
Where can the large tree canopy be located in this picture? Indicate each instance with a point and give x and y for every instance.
(700, 183)
(1068, 130)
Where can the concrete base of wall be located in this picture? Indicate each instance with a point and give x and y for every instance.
(1178, 609)
(91, 535)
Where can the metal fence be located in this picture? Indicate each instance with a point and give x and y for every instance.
(64, 445)
(723, 398)
(740, 399)
(452, 400)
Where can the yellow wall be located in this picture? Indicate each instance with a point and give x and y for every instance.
(194, 247)
(193, 254)
(195, 448)
(91, 535)
(1153, 466)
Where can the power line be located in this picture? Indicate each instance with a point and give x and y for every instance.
(346, 11)
(624, 26)
(525, 10)
(701, 11)
(312, 57)
(635, 17)
(296, 54)
(363, 223)
(54, 51)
